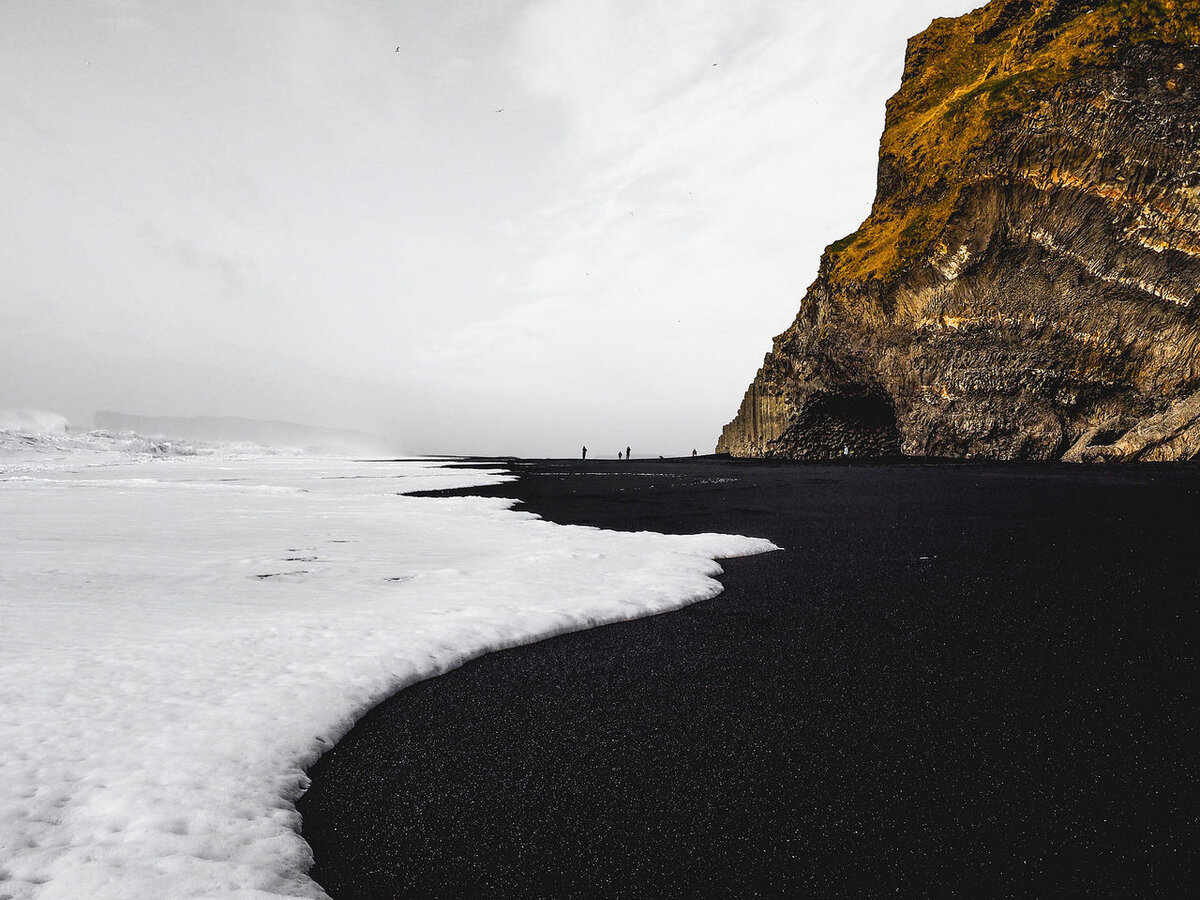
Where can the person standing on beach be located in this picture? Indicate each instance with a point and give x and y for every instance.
(628, 453)
(585, 452)
(618, 454)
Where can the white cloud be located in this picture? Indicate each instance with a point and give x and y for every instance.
(272, 188)
(695, 200)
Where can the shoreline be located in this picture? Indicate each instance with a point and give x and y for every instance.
(962, 677)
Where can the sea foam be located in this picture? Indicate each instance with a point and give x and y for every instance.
(186, 634)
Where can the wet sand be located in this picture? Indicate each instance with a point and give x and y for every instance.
(955, 679)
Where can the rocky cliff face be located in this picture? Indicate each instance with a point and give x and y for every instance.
(1027, 284)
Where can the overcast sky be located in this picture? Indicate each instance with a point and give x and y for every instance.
(476, 226)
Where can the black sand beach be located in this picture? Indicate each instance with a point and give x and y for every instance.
(956, 679)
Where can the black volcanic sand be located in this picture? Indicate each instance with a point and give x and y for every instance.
(956, 679)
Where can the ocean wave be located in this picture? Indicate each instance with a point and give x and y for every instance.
(29, 438)
(15, 444)
(33, 421)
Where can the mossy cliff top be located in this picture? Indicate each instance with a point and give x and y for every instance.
(963, 79)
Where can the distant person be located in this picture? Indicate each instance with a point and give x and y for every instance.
(693, 451)
(628, 453)
(619, 454)
(585, 452)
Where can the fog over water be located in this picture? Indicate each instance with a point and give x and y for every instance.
(501, 227)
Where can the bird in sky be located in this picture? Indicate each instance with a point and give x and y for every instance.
(501, 109)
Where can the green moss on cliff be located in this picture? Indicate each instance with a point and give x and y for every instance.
(963, 79)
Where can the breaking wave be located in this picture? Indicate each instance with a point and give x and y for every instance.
(35, 436)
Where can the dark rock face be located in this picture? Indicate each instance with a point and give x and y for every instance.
(1026, 286)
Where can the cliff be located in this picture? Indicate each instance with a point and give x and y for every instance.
(1025, 286)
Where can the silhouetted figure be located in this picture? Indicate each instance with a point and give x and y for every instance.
(619, 454)
(585, 452)
(628, 453)
(693, 451)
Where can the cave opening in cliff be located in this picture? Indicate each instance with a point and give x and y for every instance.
(1107, 436)
(833, 425)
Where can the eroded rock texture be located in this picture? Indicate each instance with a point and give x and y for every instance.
(1026, 285)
